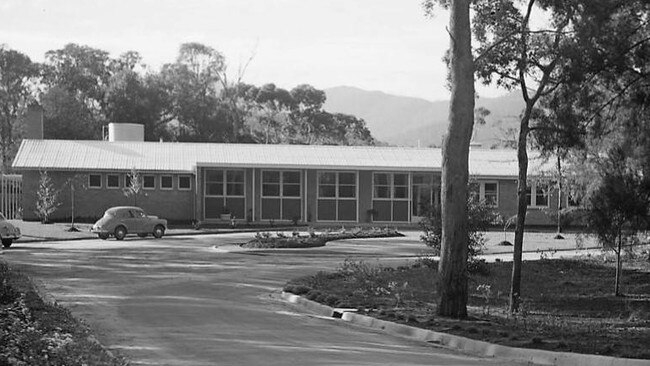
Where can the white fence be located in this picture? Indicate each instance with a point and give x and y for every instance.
(11, 196)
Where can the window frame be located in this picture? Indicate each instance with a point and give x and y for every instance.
(533, 190)
(189, 181)
(108, 186)
(337, 196)
(90, 186)
(392, 197)
(224, 183)
(144, 180)
(171, 181)
(481, 193)
(281, 184)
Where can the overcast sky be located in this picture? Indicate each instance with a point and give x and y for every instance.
(385, 45)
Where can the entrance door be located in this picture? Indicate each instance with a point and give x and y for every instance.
(422, 195)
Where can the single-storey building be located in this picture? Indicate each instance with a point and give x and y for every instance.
(199, 182)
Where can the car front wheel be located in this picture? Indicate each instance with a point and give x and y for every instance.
(7, 242)
(158, 231)
(103, 236)
(120, 232)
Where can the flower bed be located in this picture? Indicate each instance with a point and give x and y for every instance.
(312, 239)
(33, 332)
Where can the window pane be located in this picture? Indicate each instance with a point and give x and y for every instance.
(382, 192)
(114, 181)
(149, 181)
(347, 178)
(235, 189)
(271, 190)
(491, 200)
(95, 180)
(347, 191)
(490, 188)
(235, 176)
(214, 189)
(271, 177)
(166, 181)
(347, 210)
(291, 177)
(327, 178)
(327, 191)
(422, 178)
(214, 175)
(291, 190)
(184, 182)
(400, 179)
(381, 179)
(401, 192)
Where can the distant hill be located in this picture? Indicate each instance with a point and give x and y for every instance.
(407, 121)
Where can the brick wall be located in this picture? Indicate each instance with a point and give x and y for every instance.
(90, 203)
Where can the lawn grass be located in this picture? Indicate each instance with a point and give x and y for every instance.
(33, 332)
(568, 304)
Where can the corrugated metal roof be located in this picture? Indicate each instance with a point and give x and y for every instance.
(184, 157)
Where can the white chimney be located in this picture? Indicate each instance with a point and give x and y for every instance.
(125, 132)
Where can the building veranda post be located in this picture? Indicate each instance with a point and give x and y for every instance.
(199, 182)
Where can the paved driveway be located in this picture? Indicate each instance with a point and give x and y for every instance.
(178, 301)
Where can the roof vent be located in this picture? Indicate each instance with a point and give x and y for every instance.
(125, 132)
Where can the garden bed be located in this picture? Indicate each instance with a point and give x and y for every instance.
(33, 332)
(311, 239)
(567, 305)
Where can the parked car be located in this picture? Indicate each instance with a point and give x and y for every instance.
(123, 220)
(8, 232)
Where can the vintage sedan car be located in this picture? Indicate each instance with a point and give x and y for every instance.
(8, 232)
(123, 220)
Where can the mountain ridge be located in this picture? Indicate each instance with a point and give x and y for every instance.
(411, 121)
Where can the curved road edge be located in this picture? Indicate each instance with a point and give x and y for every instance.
(471, 346)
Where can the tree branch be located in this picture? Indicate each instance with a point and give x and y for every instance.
(494, 45)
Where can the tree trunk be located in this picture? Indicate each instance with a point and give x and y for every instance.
(617, 283)
(522, 206)
(72, 204)
(452, 276)
(559, 194)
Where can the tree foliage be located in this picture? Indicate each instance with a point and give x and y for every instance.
(82, 89)
(18, 76)
(480, 217)
(47, 197)
(134, 186)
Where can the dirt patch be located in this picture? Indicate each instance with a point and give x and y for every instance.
(567, 305)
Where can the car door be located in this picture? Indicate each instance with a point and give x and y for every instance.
(137, 221)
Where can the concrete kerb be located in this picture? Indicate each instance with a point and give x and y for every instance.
(470, 346)
(172, 232)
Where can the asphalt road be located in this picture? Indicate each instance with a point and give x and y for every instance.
(178, 301)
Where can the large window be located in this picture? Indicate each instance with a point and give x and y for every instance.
(281, 195)
(486, 192)
(423, 194)
(337, 196)
(537, 194)
(390, 196)
(224, 192)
